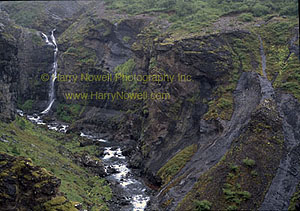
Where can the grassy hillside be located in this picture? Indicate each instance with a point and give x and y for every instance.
(193, 15)
(54, 151)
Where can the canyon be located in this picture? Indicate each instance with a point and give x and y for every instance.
(226, 137)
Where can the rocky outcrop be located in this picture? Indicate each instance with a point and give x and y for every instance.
(9, 73)
(24, 186)
(287, 177)
(97, 49)
(92, 163)
(35, 59)
(176, 123)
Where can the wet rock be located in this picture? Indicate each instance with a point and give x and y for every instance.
(101, 152)
(91, 162)
(85, 142)
(3, 140)
(128, 150)
(111, 170)
(119, 197)
(114, 148)
(136, 161)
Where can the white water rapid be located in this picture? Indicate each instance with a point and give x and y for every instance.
(53, 72)
(114, 160)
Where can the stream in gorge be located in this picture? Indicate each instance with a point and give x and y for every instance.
(115, 163)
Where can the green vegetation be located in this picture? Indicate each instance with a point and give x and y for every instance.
(127, 68)
(203, 205)
(282, 66)
(27, 106)
(246, 17)
(37, 39)
(295, 200)
(126, 39)
(30, 182)
(236, 183)
(84, 56)
(176, 163)
(69, 113)
(249, 162)
(244, 54)
(194, 15)
(234, 195)
(26, 14)
(79, 55)
(54, 151)
(58, 203)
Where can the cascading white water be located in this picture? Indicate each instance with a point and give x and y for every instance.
(53, 73)
(135, 190)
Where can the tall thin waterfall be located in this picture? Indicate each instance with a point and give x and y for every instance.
(53, 73)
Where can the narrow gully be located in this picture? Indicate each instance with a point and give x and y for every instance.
(287, 176)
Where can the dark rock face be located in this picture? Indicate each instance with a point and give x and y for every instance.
(24, 186)
(9, 73)
(94, 164)
(35, 58)
(99, 47)
(164, 136)
(288, 175)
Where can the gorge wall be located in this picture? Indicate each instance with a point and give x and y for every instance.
(220, 139)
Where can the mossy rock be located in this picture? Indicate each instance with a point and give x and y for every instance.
(22, 182)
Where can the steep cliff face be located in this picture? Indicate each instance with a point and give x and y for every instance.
(98, 47)
(35, 58)
(226, 114)
(26, 22)
(9, 72)
(199, 109)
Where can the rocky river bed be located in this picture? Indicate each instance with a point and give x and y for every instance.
(129, 191)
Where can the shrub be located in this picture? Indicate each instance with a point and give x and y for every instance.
(234, 168)
(232, 208)
(254, 173)
(27, 106)
(289, 10)
(244, 194)
(246, 17)
(259, 10)
(202, 205)
(126, 39)
(68, 113)
(249, 162)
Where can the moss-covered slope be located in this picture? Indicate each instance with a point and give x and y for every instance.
(56, 153)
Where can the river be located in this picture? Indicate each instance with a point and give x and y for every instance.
(116, 166)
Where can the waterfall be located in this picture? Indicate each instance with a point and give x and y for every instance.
(53, 73)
